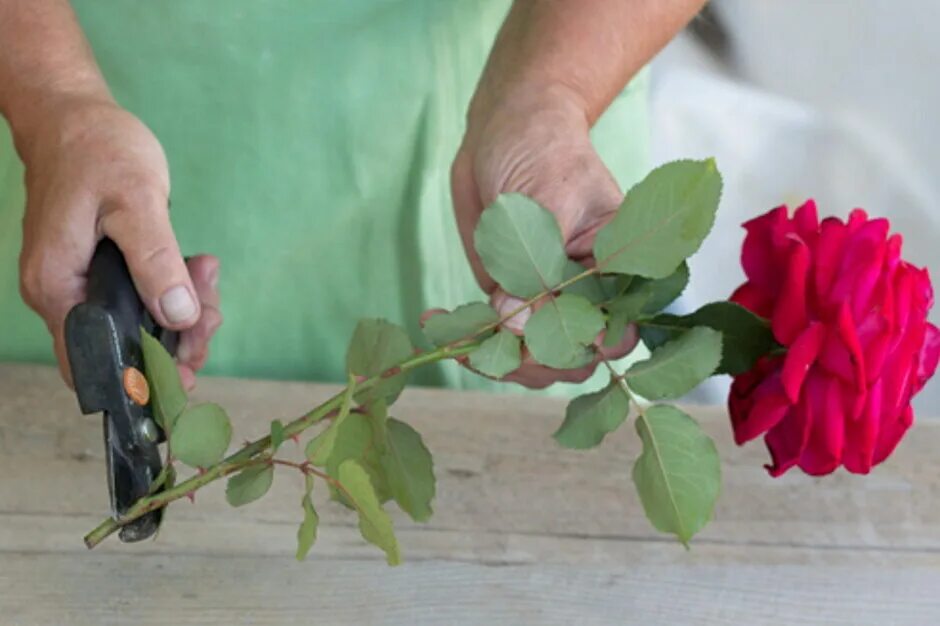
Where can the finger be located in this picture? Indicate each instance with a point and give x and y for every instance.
(623, 348)
(599, 197)
(58, 298)
(506, 305)
(467, 209)
(204, 271)
(429, 314)
(139, 223)
(534, 375)
(193, 348)
(187, 377)
(61, 354)
(53, 262)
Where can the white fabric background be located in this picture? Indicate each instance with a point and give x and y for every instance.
(834, 100)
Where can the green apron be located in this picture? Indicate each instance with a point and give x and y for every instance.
(309, 145)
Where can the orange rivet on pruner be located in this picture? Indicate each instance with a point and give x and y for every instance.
(135, 384)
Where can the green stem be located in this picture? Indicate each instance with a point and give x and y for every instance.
(246, 455)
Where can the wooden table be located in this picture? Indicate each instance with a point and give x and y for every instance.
(524, 532)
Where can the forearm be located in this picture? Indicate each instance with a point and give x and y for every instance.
(44, 59)
(586, 49)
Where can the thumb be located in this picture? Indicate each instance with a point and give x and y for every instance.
(140, 226)
(597, 197)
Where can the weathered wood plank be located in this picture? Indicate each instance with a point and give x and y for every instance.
(155, 590)
(523, 531)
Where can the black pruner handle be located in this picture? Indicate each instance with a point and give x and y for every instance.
(102, 337)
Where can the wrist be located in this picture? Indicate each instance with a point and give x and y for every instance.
(539, 102)
(56, 114)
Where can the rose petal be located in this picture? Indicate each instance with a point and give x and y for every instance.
(929, 355)
(857, 219)
(800, 357)
(846, 330)
(891, 433)
(787, 440)
(754, 299)
(766, 406)
(806, 222)
(758, 256)
(823, 451)
(862, 434)
(831, 241)
(790, 315)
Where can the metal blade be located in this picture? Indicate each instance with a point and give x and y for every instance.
(131, 471)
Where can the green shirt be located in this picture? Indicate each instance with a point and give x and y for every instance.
(309, 145)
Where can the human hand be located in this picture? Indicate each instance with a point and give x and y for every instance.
(93, 170)
(536, 142)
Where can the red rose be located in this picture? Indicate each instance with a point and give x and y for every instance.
(852, 316)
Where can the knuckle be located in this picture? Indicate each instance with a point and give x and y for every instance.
(163, 255)
(577, 376)
(36, 281)
(141, 191)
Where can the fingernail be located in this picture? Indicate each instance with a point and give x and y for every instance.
(214, 277)
(506, 304)
(177, 305)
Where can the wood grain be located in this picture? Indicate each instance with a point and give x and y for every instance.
(523, 531)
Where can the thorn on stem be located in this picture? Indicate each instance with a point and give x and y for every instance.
(296, 438)
(192, 497)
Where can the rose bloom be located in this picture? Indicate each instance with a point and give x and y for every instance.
(852, 317)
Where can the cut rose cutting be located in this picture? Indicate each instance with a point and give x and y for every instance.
(827, 341)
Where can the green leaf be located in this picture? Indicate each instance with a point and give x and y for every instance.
(378, 417)
(630, 306)
(461, 323)
(678, 474)
(662, 221)
(164, 480)
(377, 346)
(409, 469)
(201, 435)
(321, 447)
(164, 484)
(677, 367)
(307, 533)
(248, 485)
(520, 245)
(656, 295)
(355, 439)
(170, 481)
(374, 523)
(277, 435)
(591, 416)
(558, 334)
(498, 355)
(166, 389)
(592, 287)
(616, 328)
(745, 336)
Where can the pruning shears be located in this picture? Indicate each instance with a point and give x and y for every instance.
(102, 337)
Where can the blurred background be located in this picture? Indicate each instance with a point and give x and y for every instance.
(837, 100)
